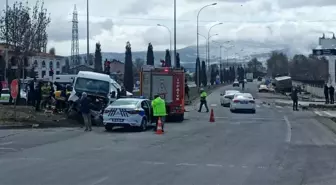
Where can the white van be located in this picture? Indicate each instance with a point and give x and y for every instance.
(64, 79)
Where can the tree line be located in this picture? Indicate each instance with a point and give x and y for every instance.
(301, 68)
(132, 67)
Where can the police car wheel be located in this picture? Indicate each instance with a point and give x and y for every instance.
(143, 126)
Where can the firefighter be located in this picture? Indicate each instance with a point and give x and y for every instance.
(46, 92)
(159, 111)
(203, 97)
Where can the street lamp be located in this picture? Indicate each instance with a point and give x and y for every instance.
(170, 44)
(209, 42)
(213, 4)
(87, 31)
(206, 44)
(7, 45)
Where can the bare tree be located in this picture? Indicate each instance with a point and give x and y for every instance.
(25, 31)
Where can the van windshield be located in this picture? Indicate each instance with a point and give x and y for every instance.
(92, 86)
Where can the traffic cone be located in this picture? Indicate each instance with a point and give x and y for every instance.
(159, 130)
(212, 116)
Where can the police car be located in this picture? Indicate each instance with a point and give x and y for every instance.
(128, 112)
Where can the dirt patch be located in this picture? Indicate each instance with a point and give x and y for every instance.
(27, 116)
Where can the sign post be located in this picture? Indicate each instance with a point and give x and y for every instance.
(14, 93)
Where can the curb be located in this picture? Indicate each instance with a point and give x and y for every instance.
(35, 126)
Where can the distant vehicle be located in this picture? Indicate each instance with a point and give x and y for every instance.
(259, 78)
(263, 88)
(64, 79)
(226, 97)
(245, 81)
(235, 83)
(128, 112)
(242, 102)
(283, 84)
(249, 77)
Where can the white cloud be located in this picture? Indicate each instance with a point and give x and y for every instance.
(297, 23)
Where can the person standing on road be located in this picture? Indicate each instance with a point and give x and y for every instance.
(326, 93)
(295, 99)
(203, 101)
(85, 110)
(37, 95)
(332, 94)
(159, 111)
(186, 90)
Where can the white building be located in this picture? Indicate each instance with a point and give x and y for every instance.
(44, 63)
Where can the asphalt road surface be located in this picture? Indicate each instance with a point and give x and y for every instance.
(273, 146)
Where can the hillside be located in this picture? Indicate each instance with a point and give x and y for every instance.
(242, 50)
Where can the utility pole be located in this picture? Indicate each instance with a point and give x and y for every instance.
(7, 44)
(174, 57)
(87, 31)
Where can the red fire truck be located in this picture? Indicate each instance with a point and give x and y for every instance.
(169, 84)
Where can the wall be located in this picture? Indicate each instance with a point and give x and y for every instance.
(315, 90)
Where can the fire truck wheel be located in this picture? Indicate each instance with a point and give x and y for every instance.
(179, 118)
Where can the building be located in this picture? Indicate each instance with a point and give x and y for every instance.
(117, 67)
(41, 63)
(44, 64)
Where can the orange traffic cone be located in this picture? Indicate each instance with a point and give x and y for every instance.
(159, 127)
(212, 116)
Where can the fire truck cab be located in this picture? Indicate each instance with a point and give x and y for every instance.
(169, 84)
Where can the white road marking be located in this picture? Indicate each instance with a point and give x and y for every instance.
(12, 149)
(318, 113)
(213, 105)
(279, 107)
(230, 118)
(186, 164)
(244, 166)
(289, 129)
(99, 181)
(6, 143)
(258, 106)
(231, 165)
(153, 162)
(326, 112)
(214, 165)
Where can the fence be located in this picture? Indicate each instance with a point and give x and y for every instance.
(316, 90)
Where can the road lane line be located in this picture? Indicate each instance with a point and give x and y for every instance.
(318, 113)
(6, 143)
(326, 112)
(12, 149)
(153, 162)
(289, 129)
(213, 105)
(214, 165)
(279, 107)
(186, 164)
(99, 181)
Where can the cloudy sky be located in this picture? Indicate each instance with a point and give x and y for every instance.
(113, 23)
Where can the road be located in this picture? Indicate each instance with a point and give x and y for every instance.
(273, 146)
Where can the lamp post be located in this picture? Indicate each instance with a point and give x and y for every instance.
(209, 42)
(87, 31)
(213, 4)
(206, 44)
(170, 44)
(174, 57)
(7, 45)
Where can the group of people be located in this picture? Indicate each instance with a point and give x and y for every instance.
(329, 93)
(42, 94)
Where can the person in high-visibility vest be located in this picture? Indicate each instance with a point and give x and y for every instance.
(203, 100)
(159, 110)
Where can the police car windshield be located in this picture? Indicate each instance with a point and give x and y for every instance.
(125, 102)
